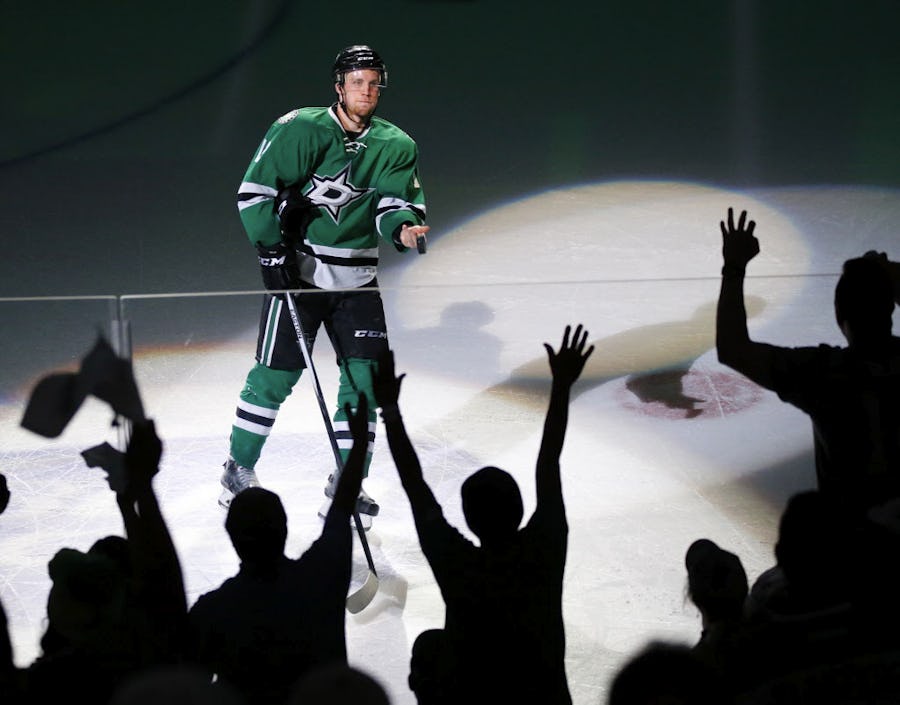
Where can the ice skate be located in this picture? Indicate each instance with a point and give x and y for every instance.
(364, 503)
(235, 479)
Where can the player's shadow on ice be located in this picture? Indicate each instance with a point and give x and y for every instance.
(459, 346)
(666, 388)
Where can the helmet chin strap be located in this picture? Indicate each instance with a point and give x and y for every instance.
(362, 125)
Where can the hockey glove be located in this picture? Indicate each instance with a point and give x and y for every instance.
(279, 267)
(295, 212)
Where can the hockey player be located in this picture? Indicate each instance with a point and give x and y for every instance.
(325, 184)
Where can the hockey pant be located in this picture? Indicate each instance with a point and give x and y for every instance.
(266, 389)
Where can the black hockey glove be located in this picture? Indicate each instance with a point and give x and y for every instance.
(295, 212)
(279, 267)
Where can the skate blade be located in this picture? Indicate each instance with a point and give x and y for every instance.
(364, 519)
(372, 510)
(369, 508)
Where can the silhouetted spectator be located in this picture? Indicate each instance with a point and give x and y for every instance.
(811, 555)
(118, 608)
(851, 394)
(339, 684)
(664, 673)
(717, 582)
(801, 608)
(279, 617)
(155, 579)
(718, 587)
(503, 619)
(426, 664)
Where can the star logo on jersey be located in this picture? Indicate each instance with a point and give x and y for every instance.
(334, 193)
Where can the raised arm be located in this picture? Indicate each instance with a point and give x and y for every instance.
(387, 393)
(733, 343)
(160, 581)
(566, 366)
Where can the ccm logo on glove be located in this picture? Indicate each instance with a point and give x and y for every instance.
(272, 261)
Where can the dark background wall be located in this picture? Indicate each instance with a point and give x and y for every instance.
(126, 126)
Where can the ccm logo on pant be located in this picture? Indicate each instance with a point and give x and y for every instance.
(369, 334)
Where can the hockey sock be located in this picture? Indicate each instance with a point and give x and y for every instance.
(356, 377)
(258, 404)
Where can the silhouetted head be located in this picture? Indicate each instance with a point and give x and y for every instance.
(813, 538)
(717, 581)
(338, 684)
(492, 504)
(86, 599)
(428, 667)
(116, 549)
(666, 673)
(257, 525)
(864, 301)
(173, 685)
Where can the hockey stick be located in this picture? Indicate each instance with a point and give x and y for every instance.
(359, 600)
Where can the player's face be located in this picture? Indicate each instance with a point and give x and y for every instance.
(360, 92)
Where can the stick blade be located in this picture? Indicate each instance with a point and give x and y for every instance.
(359, 600)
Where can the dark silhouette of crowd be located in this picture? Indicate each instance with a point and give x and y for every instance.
(822, 624)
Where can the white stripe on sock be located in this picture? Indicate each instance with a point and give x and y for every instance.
(257, 410)
(256, 428)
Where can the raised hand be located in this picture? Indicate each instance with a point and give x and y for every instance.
(739, 244)
(386, 383)
(142, 455)
(567, 364)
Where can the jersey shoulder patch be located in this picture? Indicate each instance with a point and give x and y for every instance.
(287, 117)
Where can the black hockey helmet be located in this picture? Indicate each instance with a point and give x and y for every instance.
(358, 56)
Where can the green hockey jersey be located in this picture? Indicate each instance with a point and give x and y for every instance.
(364, 188)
